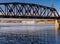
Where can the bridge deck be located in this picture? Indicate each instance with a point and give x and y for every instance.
(29, 17)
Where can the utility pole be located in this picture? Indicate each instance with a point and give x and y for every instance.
(52, 4)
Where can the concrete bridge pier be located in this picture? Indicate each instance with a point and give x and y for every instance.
(57, 24)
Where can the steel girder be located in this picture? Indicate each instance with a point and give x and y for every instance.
(27, 10)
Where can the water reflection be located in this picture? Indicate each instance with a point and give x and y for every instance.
(59, 32)
(39, 35)
(58, 37)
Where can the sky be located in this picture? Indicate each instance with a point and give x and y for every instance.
(49, 3)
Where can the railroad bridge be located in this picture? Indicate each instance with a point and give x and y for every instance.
(27, 10)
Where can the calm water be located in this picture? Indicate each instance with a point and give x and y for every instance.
(29, 34)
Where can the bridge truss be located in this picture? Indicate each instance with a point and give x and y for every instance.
(27, 10)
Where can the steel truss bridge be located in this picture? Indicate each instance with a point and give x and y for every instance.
(27, 10)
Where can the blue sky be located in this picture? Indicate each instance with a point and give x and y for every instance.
(41, 2)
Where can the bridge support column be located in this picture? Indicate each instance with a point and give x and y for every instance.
(57, 24)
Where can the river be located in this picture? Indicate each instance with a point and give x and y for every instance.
(29, 34)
